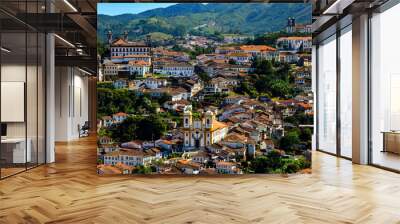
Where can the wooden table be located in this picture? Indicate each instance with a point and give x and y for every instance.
(391, 141)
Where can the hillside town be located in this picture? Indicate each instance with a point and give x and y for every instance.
(203, 105)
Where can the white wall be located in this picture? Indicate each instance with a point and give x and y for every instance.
(12, 73)
(71, 102)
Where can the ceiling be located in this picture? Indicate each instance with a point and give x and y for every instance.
(72, 20)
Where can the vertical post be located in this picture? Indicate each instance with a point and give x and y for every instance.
(92, 102)
(338, 76)
(50, 99)
(360, 89)
(315, 93)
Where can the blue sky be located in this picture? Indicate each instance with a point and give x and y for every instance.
(133, 8)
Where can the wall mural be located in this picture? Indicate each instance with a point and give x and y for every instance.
(204, 89)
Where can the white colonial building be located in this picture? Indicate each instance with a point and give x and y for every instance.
(151, 83)
(140, 68)
(295, 43)
(175, 69)
(110, 69)
(227, 168)
(132, 157)
(121, 47)
(239, 57)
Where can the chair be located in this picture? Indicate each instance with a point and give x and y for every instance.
(84, 130)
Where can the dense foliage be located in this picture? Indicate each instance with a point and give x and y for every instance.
(206, 19)
(269, 79)
(274, 162)
(112, 101)
(149, 127)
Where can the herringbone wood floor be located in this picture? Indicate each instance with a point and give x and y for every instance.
(69, 191)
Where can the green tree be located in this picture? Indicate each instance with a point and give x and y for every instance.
(204, 77)
(305, 134)
(139, 127)
(126, 131)
(289, 141)
(292, 167)
(267, 164)
(260, 164)
(263, 67)
(274, 159)
(102, 49)
(283, 71)
(105, 99)
(142, 170)
(279, 88)
(108, 85)
(103, 132)
(246, 88)
(164, 98)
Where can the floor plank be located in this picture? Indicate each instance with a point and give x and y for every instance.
(70, 191)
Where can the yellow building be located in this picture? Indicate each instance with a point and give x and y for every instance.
(202, 130)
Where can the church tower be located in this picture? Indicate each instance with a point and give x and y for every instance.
(187, 125)
(125, 35)
(109, 37)
(209, 119)
(187, 119)
(291, 25)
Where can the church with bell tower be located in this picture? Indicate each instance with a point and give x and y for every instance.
(201, 129)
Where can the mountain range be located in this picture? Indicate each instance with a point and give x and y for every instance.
(205, 19)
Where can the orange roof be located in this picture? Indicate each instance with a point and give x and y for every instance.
(188, 163)
(108, 169)
(183, 161)
(123, 166)
(218, 125)
(220, 61)
(122, 42)
(238, 54)
(120, 114)
(256, 48)
(226, 48)
(168, 52)
(140, 62)
(223, 163)
(119, 42)
(235, 138)
(305, 105)
(167, 142)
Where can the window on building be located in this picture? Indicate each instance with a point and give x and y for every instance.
(327, 95)
(385, 89)
(346, 92)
